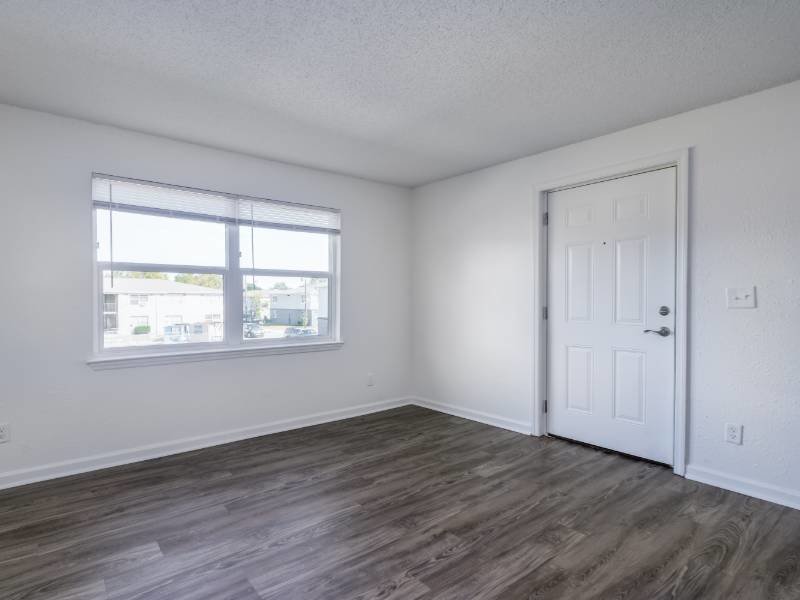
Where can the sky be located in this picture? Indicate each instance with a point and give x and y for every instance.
(164, 240)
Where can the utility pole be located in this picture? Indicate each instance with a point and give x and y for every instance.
(305, 302)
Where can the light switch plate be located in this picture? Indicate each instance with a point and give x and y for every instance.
(741, 297)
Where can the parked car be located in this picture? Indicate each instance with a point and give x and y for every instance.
(298, 331)
(253, 330)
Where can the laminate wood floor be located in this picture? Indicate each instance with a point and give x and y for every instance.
(405, 504)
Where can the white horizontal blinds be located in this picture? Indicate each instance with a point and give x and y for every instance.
(308, 218)
(167, 200)
(164, 200)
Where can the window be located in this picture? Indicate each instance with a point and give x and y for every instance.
(110, 314)
(298, 309)
(110, 323)
(138, 300)
(182, 270)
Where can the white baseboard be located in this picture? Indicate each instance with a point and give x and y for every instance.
(772, 493)
(19, 477)
(55, 470)
(742, 485)
(474, 415)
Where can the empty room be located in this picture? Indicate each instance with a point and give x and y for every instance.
(409, 300)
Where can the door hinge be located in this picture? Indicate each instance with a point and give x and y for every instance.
(546, 219)
(544, 313)
(545, 406)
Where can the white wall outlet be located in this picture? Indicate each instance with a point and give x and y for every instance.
(733, 433)
(740, 297)
(5, 433)
(370, 380)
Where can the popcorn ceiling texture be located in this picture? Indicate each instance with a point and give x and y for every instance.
(402, 92)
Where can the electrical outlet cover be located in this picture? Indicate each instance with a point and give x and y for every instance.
(5, 433)
(733, 433)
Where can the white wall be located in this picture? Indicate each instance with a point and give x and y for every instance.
(467, 241)
(473, 239)
(61, 410)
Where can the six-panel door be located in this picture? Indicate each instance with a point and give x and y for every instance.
(611, 270)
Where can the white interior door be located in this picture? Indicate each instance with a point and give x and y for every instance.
(611, 270)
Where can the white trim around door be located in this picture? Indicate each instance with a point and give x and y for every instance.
(679, 159)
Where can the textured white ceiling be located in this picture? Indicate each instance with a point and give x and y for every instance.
(403, 92)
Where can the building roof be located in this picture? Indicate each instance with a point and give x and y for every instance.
(288, 291)
(132, 285)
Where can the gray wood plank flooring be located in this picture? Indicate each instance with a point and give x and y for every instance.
(407, 504)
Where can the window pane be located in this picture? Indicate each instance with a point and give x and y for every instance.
(285, 307)
(145, 309)
(160, 240)
(283, 249)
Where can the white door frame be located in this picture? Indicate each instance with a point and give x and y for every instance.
(679, 159)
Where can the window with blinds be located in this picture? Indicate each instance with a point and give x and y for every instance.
(182, 269)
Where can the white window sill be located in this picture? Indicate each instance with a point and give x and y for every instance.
(124, 361)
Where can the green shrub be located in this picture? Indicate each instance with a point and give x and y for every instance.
(141, 329)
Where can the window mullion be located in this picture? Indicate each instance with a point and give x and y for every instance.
(232, 289)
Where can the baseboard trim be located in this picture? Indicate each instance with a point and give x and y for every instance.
(474, 415)
(771, 493)
(742, 485)
(55, 470)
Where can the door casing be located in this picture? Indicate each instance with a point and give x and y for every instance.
(680, 159)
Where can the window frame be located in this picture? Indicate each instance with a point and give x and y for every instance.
(233, 343)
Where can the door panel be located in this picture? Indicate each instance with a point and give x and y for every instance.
(580, 293)
(630, 291)
(629, 385)
(611, 267)
(579, 378)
